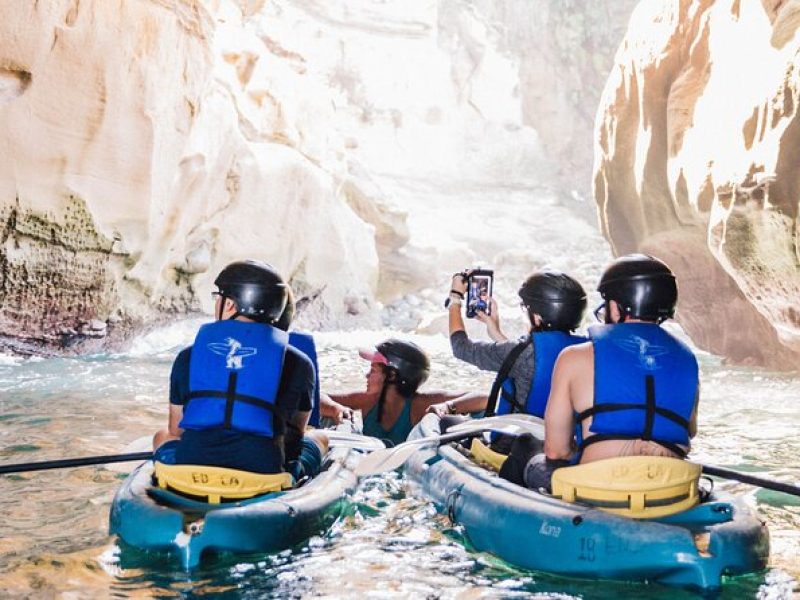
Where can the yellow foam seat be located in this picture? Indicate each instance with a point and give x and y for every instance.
(483, 454)
(639, 487)
(218, 484)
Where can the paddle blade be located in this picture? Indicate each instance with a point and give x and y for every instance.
(388, 459)
(342, 439)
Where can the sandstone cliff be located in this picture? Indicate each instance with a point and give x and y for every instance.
(144, 144)
(696, 162)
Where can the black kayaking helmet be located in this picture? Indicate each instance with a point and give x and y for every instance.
(643, 286)
(556, 297)
(287, 316)
(408, 361)
(257, 289)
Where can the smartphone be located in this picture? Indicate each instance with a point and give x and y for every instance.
(479, 292)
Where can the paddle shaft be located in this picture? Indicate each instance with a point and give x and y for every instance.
(389, 459)
(768, 484)
(73, 462)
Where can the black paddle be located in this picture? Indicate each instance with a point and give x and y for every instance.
(778, 486)
(73, 462)
(336, 438)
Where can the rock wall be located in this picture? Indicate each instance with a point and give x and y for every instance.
(144, 144)
(129, 176)
(697, 146)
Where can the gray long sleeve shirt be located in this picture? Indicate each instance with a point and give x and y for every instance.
(489, 356)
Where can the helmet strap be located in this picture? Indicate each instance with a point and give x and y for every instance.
(221, 307)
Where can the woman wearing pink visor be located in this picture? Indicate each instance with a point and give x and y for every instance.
(391, 404)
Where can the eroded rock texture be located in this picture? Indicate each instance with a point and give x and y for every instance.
(698, 141)
(144, 144)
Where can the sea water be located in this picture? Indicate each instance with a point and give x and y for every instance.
(391, 543)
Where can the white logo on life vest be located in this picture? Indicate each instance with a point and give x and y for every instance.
(647, 352)
(233, 351)
(549, 530)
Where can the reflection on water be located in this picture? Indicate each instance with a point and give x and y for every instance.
(391, 544)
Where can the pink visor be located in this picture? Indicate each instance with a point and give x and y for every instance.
(373, 356)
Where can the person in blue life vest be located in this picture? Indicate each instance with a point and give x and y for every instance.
(241, 395)
(554, 303)
(632, 390)
(392, 404)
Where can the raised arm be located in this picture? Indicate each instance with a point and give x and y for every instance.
(492, 323)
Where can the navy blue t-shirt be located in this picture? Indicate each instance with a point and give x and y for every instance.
(240, 450)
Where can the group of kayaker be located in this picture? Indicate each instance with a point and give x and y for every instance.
(241, 396)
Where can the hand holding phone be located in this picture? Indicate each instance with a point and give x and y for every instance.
(479, 292)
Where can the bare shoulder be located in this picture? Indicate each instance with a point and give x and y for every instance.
(576, 357)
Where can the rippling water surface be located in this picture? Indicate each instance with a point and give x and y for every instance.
(391, 544)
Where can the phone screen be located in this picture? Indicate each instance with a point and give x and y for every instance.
(479, 293)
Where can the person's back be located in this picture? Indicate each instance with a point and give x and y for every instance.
(634, 388)
(241, 394)
(249, 435)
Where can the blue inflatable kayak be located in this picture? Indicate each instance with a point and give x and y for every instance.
(151, 518)
(693, 548)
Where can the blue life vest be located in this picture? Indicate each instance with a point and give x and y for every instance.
(645, 386)
(234, 374)
(546, 347)
(305, 343)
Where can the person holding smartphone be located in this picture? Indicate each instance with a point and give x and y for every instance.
(554, 303)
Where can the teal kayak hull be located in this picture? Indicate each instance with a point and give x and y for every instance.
(534, 531)
(161, 521)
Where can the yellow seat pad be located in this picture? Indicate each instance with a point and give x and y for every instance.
(483, 454)
(640, 487)
(216, 483)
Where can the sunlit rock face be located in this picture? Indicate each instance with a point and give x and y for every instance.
(129, 176)
(145, 144)
(697, 149)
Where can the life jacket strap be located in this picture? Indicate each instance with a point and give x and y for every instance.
(664, 412)
(502, 374)
(237, 398)
(602, 437)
